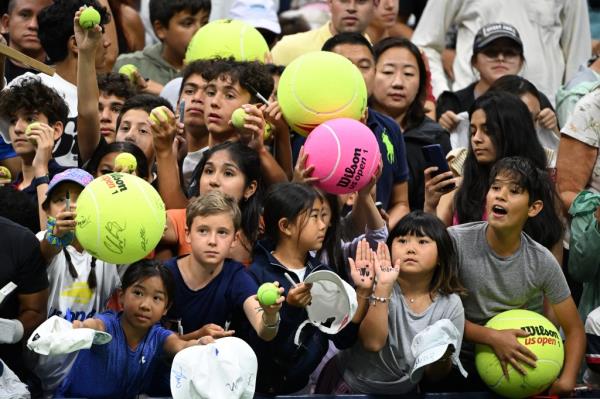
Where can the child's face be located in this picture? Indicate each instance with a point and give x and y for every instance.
(193, 95)
(135, 128)
(417, 255)
(211, 238)
(109, 107)
(222, 173)
(58, 197)
(507, 203)
(182, 26)
(309, 228)
(222, 98)
(481, 142)
(17, 127)
(144, 303)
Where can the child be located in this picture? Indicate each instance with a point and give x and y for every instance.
(294, 226)
(502, 268)
(174, 24)
(80, 284)
(123, 367)
(417, 286)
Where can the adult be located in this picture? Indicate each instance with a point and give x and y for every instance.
(555, 32)
(346, 16)
(384, 20)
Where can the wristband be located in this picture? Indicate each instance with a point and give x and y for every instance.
(40, 180)
(58, 242)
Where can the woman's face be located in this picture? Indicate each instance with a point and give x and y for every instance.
(501, 57)
(222, 173)
(396, 81)
(481, 143)
(533, 104)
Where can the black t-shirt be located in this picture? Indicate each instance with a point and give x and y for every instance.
(22, 263)
(11, 70)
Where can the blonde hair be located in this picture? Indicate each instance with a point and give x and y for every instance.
(213, 203)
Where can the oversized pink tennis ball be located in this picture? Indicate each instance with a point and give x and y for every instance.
(345, 154)
(320, 86)
(267, 294)
(89, 18)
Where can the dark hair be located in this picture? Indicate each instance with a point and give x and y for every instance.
(253, 76)
(546, 227)
(197, 67)
(146, 102)
(163, 10)
(143, 270)
(18, 207)
(275, 70)
(511, 130)
(445, 278)
(119, 146)
(115, 84)
(286, 200)
(269, 36)
(347, 38)
(30, 94)
(248, 161)
(333, 237)
(416, 111)
(55, 25)
(516, 85)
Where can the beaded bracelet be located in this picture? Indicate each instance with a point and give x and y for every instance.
(58, 242)
(374, 299)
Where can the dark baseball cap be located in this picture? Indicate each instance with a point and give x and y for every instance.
(495, 31)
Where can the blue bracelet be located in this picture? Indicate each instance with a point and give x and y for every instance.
(58, 242)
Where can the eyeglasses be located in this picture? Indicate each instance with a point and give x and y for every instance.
(507, 52)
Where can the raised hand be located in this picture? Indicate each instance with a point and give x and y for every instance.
(386, 272)
(362, 268)
(302, 174)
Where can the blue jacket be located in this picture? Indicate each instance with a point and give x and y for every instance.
(284, 367)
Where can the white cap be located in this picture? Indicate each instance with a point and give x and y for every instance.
(56, 336)
(431, 344)
(225, 369)
(258, 13)
(333, 302)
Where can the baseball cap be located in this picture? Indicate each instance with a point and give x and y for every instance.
(258, 13)
(224, 369)
(56, 336)
(494, 31)
(431, 344)
(75, 175)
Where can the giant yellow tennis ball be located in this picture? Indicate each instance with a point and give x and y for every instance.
(267, 294)
(89, 18)
(129, 70)
(227, 38)
(544, 341)
(126, 161)
(319, 86)
(120, 218)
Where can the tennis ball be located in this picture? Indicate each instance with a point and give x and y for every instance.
(126, 161)
(543, 340)
(129, 70)
(237, 117)
(120, 218)
(31, 126)
(227, 38)
(267, 294)
(159, 110)
(5, 174)
(319, 86)
(89, 18)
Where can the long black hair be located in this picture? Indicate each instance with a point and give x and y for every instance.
(332, 248)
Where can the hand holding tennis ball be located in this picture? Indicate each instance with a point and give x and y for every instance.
(129, 70)
(158, 114)
(126, 162)
(5, 175)
(89, 18)
(28, 129)
(268, 294)
(238, 118)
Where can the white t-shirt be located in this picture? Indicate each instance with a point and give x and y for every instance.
(190, 162)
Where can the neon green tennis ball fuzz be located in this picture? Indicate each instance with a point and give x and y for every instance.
(89, 18)
(128, 70)
(159, 110)
(238, 118)
(126, 161)
(267, 294)
(31, 126)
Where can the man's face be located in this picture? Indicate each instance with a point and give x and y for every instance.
(22, 26)
(362, 58)
(109, 107)
(351, 15)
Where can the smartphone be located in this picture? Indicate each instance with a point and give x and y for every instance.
(181, 110)
(434, 155)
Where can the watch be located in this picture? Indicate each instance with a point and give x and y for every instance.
(40, 180)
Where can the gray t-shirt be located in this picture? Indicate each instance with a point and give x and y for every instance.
(387, 371)
(495, 284)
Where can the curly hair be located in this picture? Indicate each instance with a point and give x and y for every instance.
(55, 25)
(253, 76)
(116, 84)
(30, 94)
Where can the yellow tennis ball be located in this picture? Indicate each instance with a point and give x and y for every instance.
(267, 294)
(159, 110)
(5, 173)
(120, 218)
(543, 340)
(227, 38)
(319, 86)
(128, 70)
(126, 161)
(237, 117)
(89, 18)
(31, 126)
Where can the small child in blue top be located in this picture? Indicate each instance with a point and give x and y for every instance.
(121, 368)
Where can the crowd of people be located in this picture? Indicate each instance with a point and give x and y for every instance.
(508, 90)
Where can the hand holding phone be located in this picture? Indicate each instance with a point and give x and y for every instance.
(434, 156)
